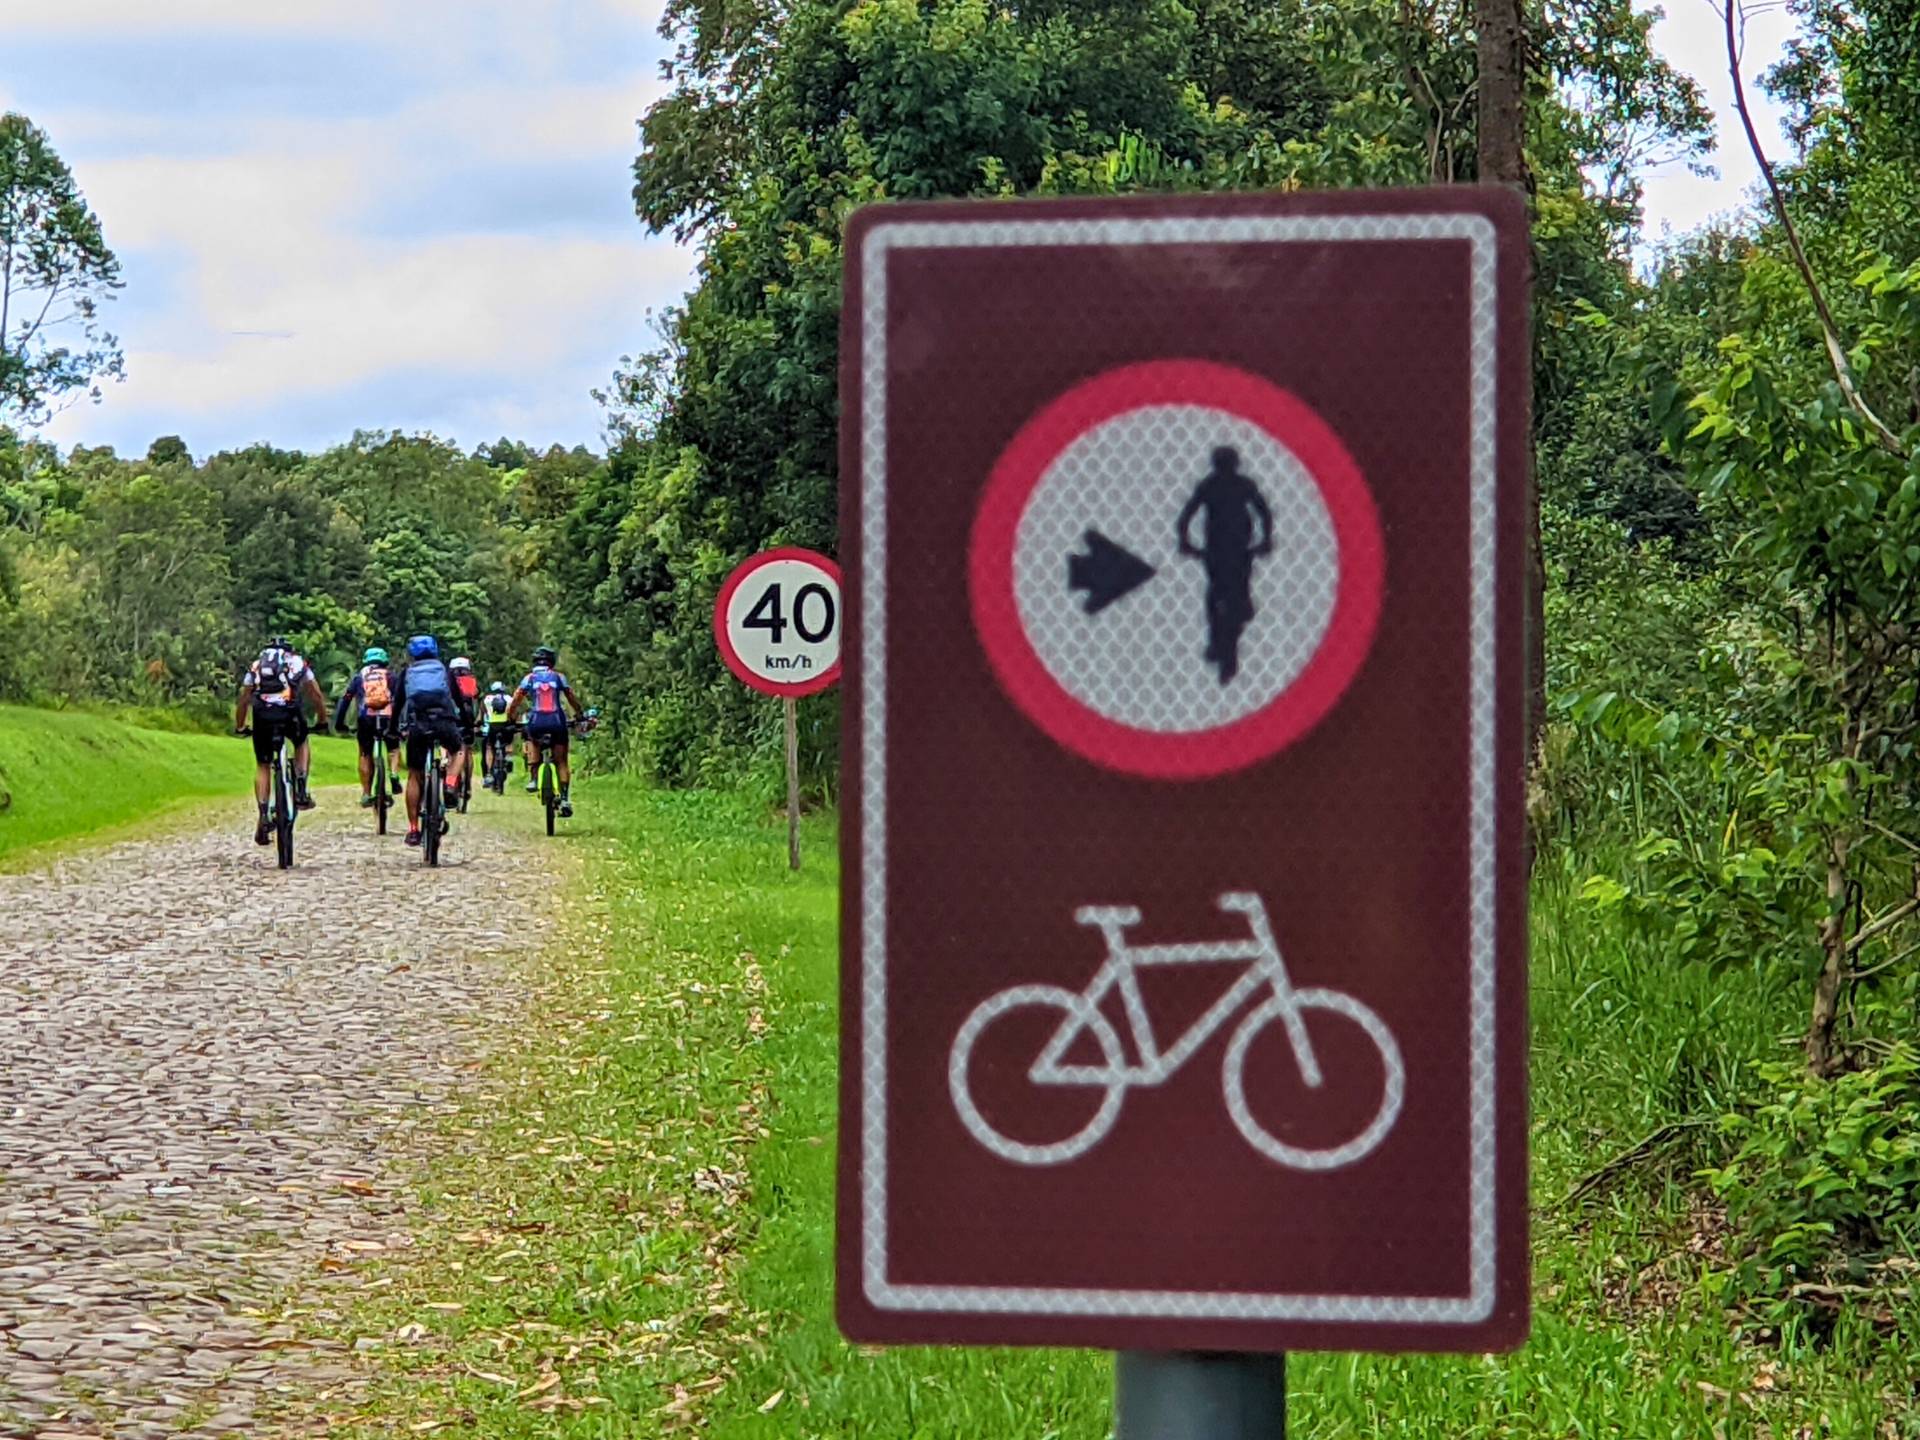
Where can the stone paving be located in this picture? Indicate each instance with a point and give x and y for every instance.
(206, 1066)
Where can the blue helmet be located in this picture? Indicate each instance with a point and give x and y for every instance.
(423, 647)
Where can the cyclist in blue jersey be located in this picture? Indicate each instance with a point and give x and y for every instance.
(432, 711)
(541, 697)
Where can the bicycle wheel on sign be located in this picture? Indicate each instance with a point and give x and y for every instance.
(1018, 1026)
(1327, 1109)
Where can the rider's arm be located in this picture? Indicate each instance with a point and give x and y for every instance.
(573, 700)
(519, 704)
(1187, 512)
(1264, 516)
(245, 700)
(317, 695)
(352, 693)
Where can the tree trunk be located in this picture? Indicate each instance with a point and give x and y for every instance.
(1500, 37)
(1823, 1056)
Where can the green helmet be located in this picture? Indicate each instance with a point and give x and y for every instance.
(374, 656)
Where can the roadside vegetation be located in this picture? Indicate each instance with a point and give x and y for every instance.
(69, 774)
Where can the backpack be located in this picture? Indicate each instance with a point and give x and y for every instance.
(273, 673)
(469, 685)
(376, 691)
(428, 688)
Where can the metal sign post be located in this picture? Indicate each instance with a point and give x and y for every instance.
(1199, 1395)
(777, 623)
(1184, 916)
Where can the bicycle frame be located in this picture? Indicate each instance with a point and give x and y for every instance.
(1124, 961)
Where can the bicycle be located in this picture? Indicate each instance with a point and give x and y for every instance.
(547, 774)
(433, 805)
(281, 811)
(1265, 969)
(466, 780)
(499, 758)
(382, 793)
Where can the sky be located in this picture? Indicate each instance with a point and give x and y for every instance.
(341, 214)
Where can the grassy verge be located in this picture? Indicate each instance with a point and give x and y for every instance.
(67, 774)
(637, 1234)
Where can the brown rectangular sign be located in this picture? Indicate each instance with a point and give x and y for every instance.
(1184, 915)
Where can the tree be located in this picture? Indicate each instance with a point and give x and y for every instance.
(55, 273)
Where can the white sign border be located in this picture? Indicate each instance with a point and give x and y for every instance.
(880, 239)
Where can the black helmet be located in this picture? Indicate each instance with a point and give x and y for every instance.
(545, 655)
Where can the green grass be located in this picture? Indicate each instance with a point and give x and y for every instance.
(70, 774)
(638, 1226)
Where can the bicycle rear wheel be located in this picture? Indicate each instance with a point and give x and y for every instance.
(549, 790)
(282, 811)
(382, 797)
(432, 807)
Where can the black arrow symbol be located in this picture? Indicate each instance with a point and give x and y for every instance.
(1106, 572)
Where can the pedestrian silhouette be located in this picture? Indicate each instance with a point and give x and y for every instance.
(1233, 507)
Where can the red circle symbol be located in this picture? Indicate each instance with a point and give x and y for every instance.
(1305, 699)
(823, 657)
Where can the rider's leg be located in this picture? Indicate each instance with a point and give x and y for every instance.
(262, 783)
(532, 754)
(302, 762)
(417, 746)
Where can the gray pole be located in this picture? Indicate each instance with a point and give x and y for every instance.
(1199, 1395)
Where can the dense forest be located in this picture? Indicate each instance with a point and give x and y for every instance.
(1728, 457)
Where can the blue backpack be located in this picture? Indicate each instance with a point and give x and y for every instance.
(429, 690)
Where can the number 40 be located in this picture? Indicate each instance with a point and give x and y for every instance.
(767, 614)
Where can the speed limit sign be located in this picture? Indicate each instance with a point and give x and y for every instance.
(778, 622)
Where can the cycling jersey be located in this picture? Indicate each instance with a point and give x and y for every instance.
(494, 709)
(542, 689)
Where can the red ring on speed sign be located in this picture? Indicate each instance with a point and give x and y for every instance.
(1306, 699)
(744, 572)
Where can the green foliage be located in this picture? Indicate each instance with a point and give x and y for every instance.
(153, 582)
(55, 272)
(1823, 1186)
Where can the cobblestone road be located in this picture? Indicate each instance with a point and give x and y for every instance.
(205, 1067)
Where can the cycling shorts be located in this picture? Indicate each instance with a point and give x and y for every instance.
(547, 727)
(370, 728)
(428, 731)
(270, 722)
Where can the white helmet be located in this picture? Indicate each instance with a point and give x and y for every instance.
(461, 664)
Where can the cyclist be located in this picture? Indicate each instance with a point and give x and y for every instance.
(466, 690)
(1234, 509)
(431, 713)
(373, 686)
(541, 696)
(494, 725)
(273, 694)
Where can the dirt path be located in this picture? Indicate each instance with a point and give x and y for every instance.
(204, 1065)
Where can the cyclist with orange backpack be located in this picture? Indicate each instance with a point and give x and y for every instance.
(373, 686)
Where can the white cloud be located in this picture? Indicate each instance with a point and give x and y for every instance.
(1692, 36)
(281, 263)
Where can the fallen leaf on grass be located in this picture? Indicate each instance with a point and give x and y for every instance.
(772, 1400)
(540, 1387)
(447, 1307)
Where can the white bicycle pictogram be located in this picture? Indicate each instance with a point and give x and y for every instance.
(1082, 1016)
